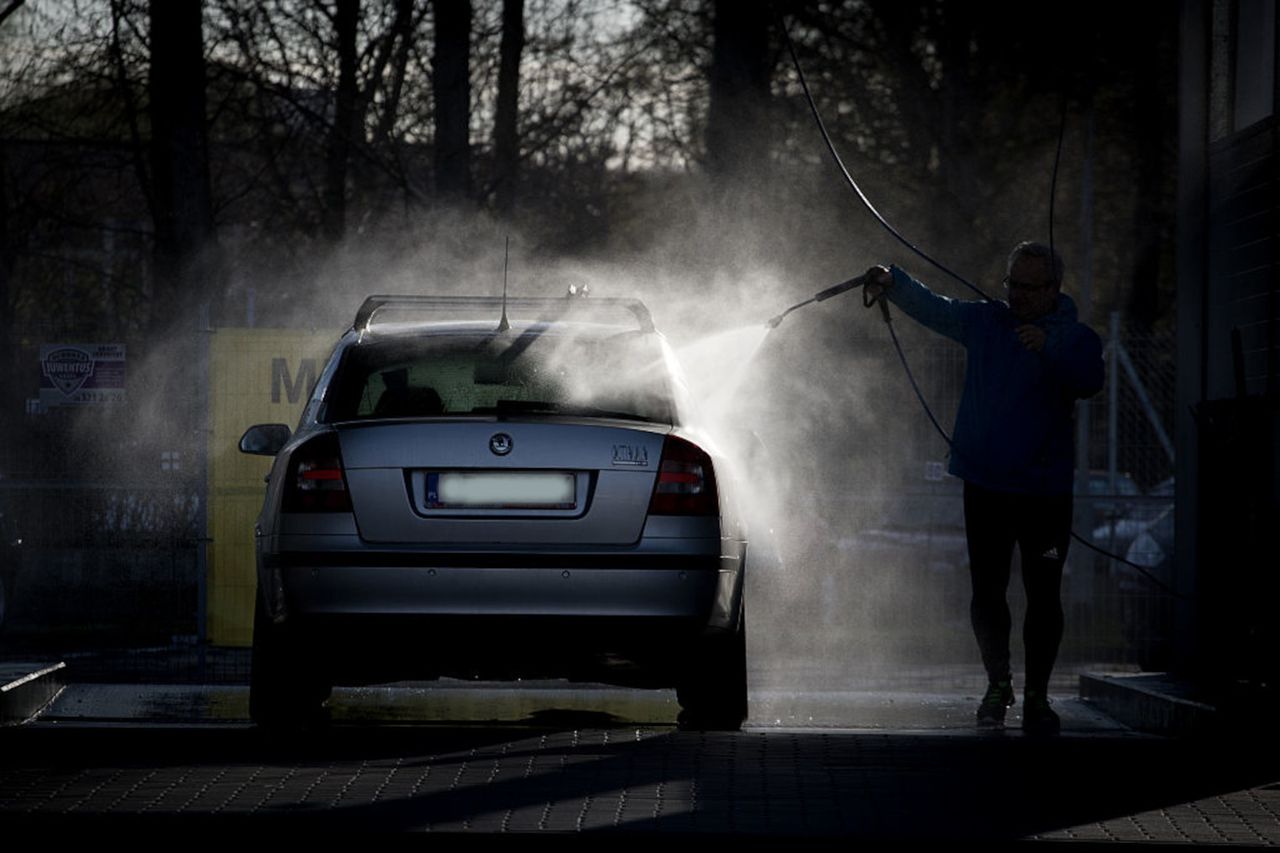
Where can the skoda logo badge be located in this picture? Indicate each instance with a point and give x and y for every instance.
(500, 444)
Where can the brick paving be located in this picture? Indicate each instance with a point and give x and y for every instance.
(650, 779)
(879, 755)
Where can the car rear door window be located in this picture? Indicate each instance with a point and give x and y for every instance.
(620, 375)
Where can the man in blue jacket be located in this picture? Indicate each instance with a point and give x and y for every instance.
(1028, 361)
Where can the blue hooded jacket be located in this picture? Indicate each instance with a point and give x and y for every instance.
(1013, 429)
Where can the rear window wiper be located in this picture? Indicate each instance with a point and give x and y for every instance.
(509, 407)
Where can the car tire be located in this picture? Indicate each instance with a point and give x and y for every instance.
(285, 691)
(712, 690)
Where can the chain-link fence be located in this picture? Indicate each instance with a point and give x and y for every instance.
(904, 573)
(100, 504)
(1124, 606)
(107, 503)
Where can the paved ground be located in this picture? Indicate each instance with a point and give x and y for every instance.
(491, 779)
(899, 761)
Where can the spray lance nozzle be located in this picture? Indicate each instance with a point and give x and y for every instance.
(820, 296)
(837, 289)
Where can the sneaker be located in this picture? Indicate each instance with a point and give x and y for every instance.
(1037, 716)
(995, 702)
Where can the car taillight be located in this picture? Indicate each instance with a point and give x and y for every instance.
(686, 481)
(316, 482)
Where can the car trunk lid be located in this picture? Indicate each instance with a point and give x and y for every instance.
(549, 481)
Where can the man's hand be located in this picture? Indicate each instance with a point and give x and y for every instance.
(879, 279)
(1031, 336)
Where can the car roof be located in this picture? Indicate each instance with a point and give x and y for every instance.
(620, 312)
(406, 331)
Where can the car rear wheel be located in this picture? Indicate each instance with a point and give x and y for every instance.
(285, 690)
(712, 690)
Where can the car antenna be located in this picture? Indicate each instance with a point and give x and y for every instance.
(503, 324)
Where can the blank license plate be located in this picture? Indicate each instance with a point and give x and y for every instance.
(501, 490)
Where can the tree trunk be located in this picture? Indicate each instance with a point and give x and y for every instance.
(10, 397)
(506, 140)
(737, 121)
(184, 230)
(400, 43)
(7, 254)
(338, 153)
(451, 87)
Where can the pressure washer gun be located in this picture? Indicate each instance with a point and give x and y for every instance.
(835, 290)
(882, 300)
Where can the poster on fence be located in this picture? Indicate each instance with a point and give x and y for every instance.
(81, 374)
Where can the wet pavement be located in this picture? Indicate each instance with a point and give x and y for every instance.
(455, 702)
(865, 757)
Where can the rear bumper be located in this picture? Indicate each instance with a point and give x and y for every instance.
(548, 591)
(689, 580)
(369, 624)
(364, 649)
(371, 614)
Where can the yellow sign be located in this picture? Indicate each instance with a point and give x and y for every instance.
(256, 376)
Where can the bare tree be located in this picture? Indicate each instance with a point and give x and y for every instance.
(6, 239)
(312, 102)
(346, 17)
(506, 139)
(328, 115)
(451, 85)
(737, 122)
(184, 230)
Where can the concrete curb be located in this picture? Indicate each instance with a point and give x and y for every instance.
(26, 688)
(1148, 702)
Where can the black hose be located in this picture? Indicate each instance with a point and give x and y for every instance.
(1142, 571)
(1053, 182)
(826, 137)
(840, 288)
(911, 377)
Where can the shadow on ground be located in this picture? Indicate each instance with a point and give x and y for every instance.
(556, 777)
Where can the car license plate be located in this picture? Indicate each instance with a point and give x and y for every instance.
(501, 490)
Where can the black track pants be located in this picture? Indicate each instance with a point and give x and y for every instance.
(1040, 525)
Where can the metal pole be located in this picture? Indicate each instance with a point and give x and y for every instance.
(204, 334)
(1083, 412)
(1194, 240)
(1085, 509)
(1113, 401)
(1113, 428)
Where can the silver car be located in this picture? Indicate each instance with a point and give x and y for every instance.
(521, 495)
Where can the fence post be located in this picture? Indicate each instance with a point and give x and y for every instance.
(1113, 403)
(203, 332)
(1083, 413)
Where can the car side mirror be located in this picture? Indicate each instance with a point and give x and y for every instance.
(264, 439)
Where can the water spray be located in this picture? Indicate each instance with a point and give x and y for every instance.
(834, 290)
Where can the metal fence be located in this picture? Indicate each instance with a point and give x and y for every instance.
(1116, 613)
(110, 546)
(100, 506)
(1124, 609)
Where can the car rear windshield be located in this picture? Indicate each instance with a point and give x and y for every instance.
(620, 375)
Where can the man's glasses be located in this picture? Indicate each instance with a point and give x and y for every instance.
(1026, 286)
